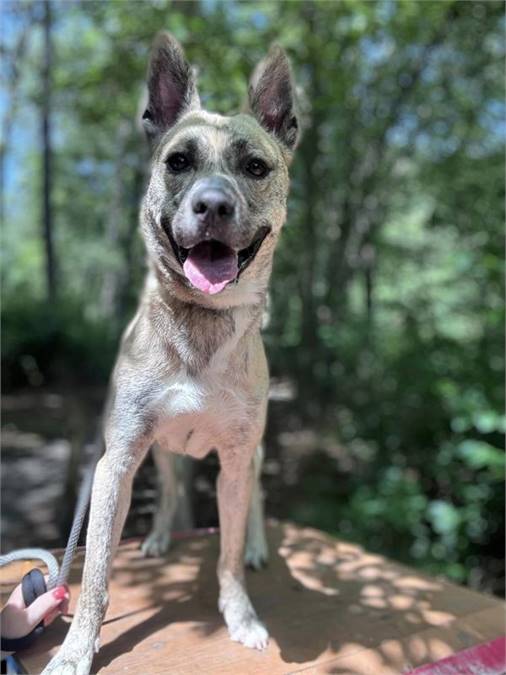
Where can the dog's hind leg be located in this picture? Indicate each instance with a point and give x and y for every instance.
(256, 553)
(235, 483)
(158, 540)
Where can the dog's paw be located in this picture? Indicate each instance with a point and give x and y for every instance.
(241, 619)
(156, 544)
(69, 662)
(256, 553)
(251, 633)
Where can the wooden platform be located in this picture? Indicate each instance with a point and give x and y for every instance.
(329, 606)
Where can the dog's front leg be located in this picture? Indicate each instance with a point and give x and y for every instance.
(110, 500)
(257, 551)
(234, 493)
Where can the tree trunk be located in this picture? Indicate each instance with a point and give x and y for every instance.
(47, 212)
(309, 151)
(115, 272)
(13, 74)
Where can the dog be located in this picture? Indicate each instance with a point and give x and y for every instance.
(191, 374)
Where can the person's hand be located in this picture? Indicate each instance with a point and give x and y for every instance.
(18, 620)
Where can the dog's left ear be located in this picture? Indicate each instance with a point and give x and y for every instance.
(272, 99)
(172, 89)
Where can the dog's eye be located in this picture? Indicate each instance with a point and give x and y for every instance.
(257, 168)
(178, 162)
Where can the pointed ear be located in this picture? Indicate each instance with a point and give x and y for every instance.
(171, 83)
(272, 97)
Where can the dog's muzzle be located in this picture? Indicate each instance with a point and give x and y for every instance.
(209, 244)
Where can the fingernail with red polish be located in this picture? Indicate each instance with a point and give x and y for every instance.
(60, 593)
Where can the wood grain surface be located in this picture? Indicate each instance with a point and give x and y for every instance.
(329, 606)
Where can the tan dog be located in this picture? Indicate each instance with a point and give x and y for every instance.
(191, 375)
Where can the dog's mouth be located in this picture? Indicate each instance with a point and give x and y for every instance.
(210, 265)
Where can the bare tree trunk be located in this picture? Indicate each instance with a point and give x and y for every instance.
(367, 260)
(115, 273)
(309, 150)
(47, 213)
(131, 239)
(13, 76)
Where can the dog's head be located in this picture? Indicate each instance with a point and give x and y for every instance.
(216, 198)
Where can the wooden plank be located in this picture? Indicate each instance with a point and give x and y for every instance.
(330, 607)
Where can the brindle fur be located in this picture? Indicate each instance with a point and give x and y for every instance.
(191, 373)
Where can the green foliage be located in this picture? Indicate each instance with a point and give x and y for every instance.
(387, 298)
(43, 344)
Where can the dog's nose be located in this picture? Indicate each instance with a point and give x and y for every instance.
(212, 205)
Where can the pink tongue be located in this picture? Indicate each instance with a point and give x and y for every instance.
(210, 266)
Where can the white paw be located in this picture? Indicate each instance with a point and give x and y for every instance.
(156, 544)
(69, 662)
(251, 633)
(256, 553)
(241, 619)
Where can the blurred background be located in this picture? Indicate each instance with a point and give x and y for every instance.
(386, 420)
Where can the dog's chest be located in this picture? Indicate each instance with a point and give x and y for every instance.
(200, 412)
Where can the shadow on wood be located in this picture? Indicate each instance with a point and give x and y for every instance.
(328, 605)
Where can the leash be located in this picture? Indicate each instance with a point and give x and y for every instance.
(33, 583)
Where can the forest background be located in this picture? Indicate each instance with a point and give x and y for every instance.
(386, 424)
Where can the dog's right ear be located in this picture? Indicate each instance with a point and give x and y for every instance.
(172, 89)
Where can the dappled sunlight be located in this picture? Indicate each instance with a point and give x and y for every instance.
(320, 608)
(437, 618)
(412, 583)
(401, 602)
(382, 612)
(438, 649)
(380, 589)
(418, 648)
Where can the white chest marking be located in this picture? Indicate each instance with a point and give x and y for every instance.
(198, 413)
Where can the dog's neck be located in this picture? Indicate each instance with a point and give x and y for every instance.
(196, 332)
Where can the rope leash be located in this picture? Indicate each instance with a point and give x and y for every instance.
(33, 583)
(83, 501)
